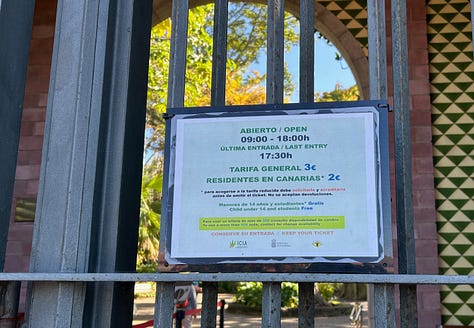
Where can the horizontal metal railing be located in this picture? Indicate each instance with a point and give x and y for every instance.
(419, 279)
(383, 283)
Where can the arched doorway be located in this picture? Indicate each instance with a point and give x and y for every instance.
(325, 22)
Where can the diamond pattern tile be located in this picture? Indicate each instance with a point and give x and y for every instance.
(452, 96)
(352, 13)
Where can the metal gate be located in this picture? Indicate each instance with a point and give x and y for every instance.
(382, 294)
(90, 179)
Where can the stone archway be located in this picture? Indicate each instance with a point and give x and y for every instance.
(325, 22)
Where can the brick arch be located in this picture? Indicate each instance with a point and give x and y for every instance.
(325, 22)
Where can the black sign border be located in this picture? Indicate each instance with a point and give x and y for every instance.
(278, 264)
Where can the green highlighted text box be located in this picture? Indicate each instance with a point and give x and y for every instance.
(272, 223)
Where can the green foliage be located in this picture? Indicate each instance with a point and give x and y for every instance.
(246, 42)
(199, 56)
(250, 294)
(150, 213)
(247, 37)
(328, 290)
(289, 294)
(229, 287)
(338, 94)
(149, 267)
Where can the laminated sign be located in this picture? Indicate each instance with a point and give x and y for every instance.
(294, 186)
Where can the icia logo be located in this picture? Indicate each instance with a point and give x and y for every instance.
(238, 244)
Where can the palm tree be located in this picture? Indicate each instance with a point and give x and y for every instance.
(150, 215)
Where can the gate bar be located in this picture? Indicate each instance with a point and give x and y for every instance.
(306, 298)
(383, 308)
(176, 85)
(209, 301)
(306, 51)
(219, 53)
(418, 279)
(403, 172)
(381, 297)
(164, 304)
(179, 42)
(377, 49)
(271, 294)
(218, 88)
(275, 51)
(16, 20)
(306, 305)
(271, 305)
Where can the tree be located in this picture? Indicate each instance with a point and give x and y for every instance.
(246, 44)
(150, 215)
(338, 94)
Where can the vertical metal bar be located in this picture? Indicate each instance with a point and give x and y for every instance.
(403, 173)
(16, 20)
(271, 294)
(306, 305)
(402, 138)
(121, 136)
(176, 83)
(164, 304)
(379, 91)
(275, 52)
(9, 299)
(179, 42)
(380, 298)
(64, 209)
(219, 53)
(88, 201)
(209, 304)
(383, 309)
(180, 315)
(377, 49)
(306, 309)
(221, 313)
(408, 306)
(306, 51)
(271, 305)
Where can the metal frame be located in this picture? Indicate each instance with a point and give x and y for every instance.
(402, 279)
(88, 201)
(381, 296)
(403, 165)
(16, 21)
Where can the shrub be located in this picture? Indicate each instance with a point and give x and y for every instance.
(328, 290)
(289, 294)
(229, 287)
(150, 267)
(250, 294)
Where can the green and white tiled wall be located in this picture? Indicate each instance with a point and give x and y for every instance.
(452, 98)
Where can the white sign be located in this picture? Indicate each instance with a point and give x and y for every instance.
(300, 186)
